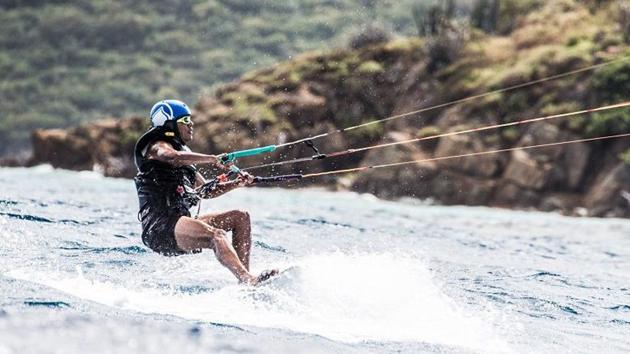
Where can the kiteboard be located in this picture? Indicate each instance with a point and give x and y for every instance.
(284, 277)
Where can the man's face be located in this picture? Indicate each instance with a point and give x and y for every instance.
(185, 126)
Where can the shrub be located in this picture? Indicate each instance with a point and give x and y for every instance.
(511, 134)
(121, 31)
(445, 48)
(175, 43)
(510, 10)
(428, 131)
(485, 14)
(370, 67)
(369, 36)
(431, 18)
(623, 18)
(609, 122)
(64, 24)
(612, 83)
(274, 44)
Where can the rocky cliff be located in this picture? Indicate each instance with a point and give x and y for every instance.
(322, 92)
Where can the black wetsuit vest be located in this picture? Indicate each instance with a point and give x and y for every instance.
(162, 187)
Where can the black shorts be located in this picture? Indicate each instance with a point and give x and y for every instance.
(158, 231)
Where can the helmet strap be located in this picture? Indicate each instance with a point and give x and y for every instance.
(172, 131)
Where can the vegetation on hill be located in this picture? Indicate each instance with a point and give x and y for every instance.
(323, 91)
(64, 62)
(457, 61)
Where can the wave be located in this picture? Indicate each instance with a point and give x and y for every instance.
(78, 246)
(45, 303)
(346, 297)
(27, 217)
(36, 218)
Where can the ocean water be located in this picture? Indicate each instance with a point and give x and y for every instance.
(370, 276)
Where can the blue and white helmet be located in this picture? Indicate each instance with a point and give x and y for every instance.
(168, 110)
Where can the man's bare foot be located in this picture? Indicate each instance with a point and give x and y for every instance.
(261, 278)
(264, 276)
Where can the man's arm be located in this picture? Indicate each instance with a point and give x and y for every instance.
(163, 151)
(199, 180)
(221, 188)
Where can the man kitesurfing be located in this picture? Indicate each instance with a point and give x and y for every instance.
(168, 185)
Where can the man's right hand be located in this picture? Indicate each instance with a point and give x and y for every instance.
(245, 179)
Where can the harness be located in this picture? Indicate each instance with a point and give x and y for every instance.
(160, 185)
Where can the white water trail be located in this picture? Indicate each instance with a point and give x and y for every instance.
(350, 298)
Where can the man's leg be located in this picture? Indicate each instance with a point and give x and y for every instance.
(239, 223)
(192, 234)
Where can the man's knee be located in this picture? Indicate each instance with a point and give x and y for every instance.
(240, 216)
(213, 234)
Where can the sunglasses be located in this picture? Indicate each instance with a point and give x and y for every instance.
(185, 120)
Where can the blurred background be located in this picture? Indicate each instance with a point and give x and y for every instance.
(262, 72)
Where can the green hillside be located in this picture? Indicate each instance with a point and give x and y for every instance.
(63, 62)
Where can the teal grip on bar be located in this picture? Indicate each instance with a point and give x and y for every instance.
(231, 156)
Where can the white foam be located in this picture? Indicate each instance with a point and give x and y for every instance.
(351, 298)
(38, 169)
(95, 174)
(5, 350)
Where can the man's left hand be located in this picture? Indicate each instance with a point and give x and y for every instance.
(245, 179)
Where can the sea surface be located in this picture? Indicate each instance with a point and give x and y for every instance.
(369, 276)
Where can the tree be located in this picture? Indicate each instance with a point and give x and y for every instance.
(432, 18)
(485, 15)
(624, 21)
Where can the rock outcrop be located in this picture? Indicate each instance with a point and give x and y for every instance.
(105, 146)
